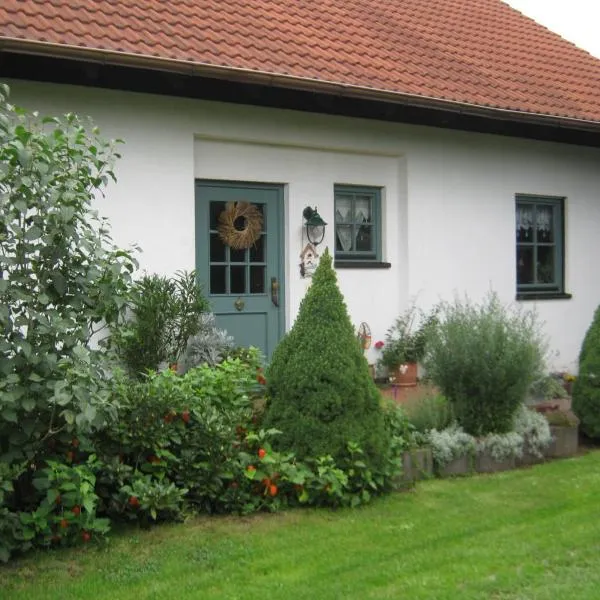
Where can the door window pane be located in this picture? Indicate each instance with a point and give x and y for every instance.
(217, 248)
(237, 280)
(257, 251)
(216, 208)
(218, 279)
(257, 279)
(237, 255)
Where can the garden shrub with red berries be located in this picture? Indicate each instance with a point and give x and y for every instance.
(184, 430)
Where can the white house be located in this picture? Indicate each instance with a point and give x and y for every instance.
(450, 146)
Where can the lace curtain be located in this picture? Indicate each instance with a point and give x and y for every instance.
(343, 215)
(543, 217)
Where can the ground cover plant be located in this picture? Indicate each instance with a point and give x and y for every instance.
(535, 535)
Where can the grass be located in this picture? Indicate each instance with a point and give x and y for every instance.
(528, 534)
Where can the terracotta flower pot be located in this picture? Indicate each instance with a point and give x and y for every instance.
(406, 375)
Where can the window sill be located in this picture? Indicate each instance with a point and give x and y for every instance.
(361, 264)
(543, 296)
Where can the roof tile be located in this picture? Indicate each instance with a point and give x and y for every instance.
(483, 53)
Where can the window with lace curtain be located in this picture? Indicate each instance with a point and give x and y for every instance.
(357, 223)
(540, 245)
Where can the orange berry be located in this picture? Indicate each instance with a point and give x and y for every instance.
(262, 453)
(273, 490)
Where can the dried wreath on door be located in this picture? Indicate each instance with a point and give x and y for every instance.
(240, 225)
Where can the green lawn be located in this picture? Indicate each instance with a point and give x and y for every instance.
(529, 534)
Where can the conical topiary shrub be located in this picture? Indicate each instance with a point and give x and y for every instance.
(586, 389)
(321, 395)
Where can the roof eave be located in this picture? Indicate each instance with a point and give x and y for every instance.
(242, 75)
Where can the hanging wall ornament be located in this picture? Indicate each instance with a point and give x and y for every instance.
(240, 225)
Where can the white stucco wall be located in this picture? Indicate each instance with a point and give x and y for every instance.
(448, 202)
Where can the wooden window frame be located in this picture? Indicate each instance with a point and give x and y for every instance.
(354, 258)
(556, 289)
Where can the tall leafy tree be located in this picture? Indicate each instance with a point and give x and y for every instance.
(61, 278)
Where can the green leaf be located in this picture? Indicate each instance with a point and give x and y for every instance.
(33, 233)
(89, 505)
(66, 213)
(9, 414)
(90, 412)
(68, 416)
(51, 495)
(28, 404)
(59, 283)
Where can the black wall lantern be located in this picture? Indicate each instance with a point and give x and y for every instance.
(315, 226)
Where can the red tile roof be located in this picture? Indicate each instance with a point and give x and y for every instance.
(477, 52)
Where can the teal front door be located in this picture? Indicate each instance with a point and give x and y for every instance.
(244, 286)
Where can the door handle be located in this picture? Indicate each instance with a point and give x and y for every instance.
(274, 291)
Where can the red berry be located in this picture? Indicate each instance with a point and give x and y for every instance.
(266, 482)
(133, 502)
(185, 416)
(64, 523)
(261, 379)
(273, 490)
(262, 453)
(86, 536)
(76, 510)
